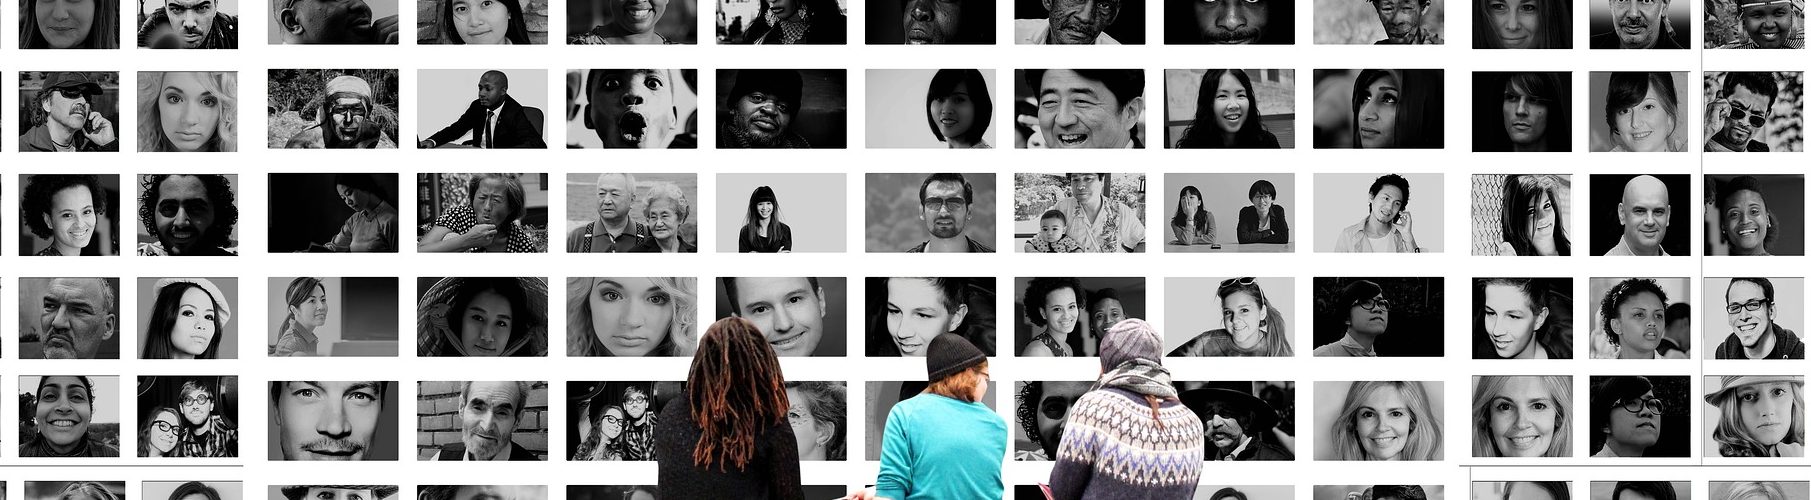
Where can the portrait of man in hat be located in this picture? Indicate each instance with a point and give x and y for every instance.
(348, 117)
(64, 117)
(761, 104)
(1238, 424)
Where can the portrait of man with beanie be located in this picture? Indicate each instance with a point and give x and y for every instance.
(761, 106)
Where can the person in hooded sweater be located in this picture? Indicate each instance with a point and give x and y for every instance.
(1129, 437)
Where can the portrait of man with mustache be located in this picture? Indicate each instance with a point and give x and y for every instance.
(332, 420)
(189, 24)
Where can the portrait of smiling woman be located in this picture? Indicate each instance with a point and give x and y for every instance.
(1521, 318)
(1521, 416)
(1382, 421)
(1521, 24)
(1226, 110)
(481, 22)
(188, 111)
(1641, 112)
(68, 215)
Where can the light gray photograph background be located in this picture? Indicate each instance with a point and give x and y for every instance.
(897, 109)
(1193, 305)
(1223, 195)
(442, 95)
(814, 205)
(1788, 294)
(1341, 200)
(1328, 396)
(229, 332)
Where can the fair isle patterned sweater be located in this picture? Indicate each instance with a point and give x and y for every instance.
(1113, 449)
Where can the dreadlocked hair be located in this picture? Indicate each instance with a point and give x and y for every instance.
(735, 389)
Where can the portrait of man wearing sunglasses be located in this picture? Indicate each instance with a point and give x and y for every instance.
(1367, 316)
(66, 117)
(187, 215)
(1753, 333)
(1737, 119)
(946, 199)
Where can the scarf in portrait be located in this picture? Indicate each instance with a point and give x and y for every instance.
(791, 31)
(1139, 376)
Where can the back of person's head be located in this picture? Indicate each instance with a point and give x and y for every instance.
(736, 391)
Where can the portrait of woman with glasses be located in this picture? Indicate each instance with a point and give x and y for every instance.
(1635, 416)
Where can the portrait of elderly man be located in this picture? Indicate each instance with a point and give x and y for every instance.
(1086, 108)
(641, 108)
(1736, 118)
(494, 120)
(330, 420)
(187, 215)
(489, 414)
(761, 106)
(1635, 24)
(346, 113)
(615, 230)
(187, 24)
(332, 22)
(1758, 24)
(1069, 22)
(1403, 22)
(76, 318)
(67, 116)
(339, 492)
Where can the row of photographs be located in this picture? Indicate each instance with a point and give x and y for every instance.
(1510, 318)
(1480, 490)
(1510, 214)
(1497, 24)
(1743, 111)
(1525, 416)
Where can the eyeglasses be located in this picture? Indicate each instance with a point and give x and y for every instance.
(636, 399)
(613, 420)
(1652, 405)
(1738, 112)
(1373, 304)
(1751, 304)
(938, 204)
(71, 92)
(1245, 281)
(163, 426)
(198, 399)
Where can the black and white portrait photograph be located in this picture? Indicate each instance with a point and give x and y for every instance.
(1387, 224)
(1640, 111)
(70, 318)
(481, 22)
(1522, 24)
(1754, 24)
(348, 22)
(189, 215)
(1522, 416)
(1521, 318)
(930, 22)
(195, 490)
(1253, 316)
(1079, 108)
(1079, 212)
(1640, 318)
(1042, 408)
(188, 318)
(188, 24)
(618, 212)
(782, 22)
(1760, 490)
(69, 110)
(1065, 317)
(783, 108)
(332, 492)
(625, 22)
(1641, 416)
(68, 215)
(615, 420)
(1521, 112)
(1521, 214)
(905, 314)
(482, 420)
(1244, 420)
(1754, 416)
(882, 396)
(481, 492)
(1229, 108)
(931, 213)
(346, 212)
(188, 111)
(1617, 24)
(1379, 420)
(481, 316)
(1388, 317)
(324, 316)
(481, 213)
(1759, 318)
(1259, 22)
(1078, 22)
(1631, 215)
(1379, 108)
(1243, 214)
(84, 25)
(819, 416)
(1754, 111)
(782, 213)
(492, 118)
(353, 420)
(632, 108)
(69, 416)
(1521, 490)
(631, 317)
(334, 109)
(958, 106)
(188, 416)
(1385, 22)
(801, 316)
(1754, 214)
(75, 490)
(1244, 492)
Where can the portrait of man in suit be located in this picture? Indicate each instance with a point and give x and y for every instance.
(494, 120)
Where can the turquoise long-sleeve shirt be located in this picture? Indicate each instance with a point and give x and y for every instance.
(936, 447)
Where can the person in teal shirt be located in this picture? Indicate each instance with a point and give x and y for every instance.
(943, 443)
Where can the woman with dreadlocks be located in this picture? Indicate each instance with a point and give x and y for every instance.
(728, 432)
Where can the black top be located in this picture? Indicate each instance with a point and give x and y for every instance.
(772, 473)
(1248, 226)
(779, 236)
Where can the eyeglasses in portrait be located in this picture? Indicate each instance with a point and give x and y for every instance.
(1229, 108)
(1641, 416)
(1259, 22)
(77, 318)
(1066, 316)
(188, 215)
(625, 22)
(921, 213)
(1379, 108)
(1522, 24)
(481, 316)
(481, 22)
(801, 316)
(782, 108)
(782, 22)
(1387, 224)
(1522, 416)
(1754, 24)
(1380, 492)
(1760, 313)
(1521, 112)
(189, 24)
(1630, 490)
(883, 395)
(632, 108)
(495, 118)
(1521, 214)
(1380, 22)
(1078, 22)
(1253, 320)
(1388, 317)
(75, 490)
(1641, 110)
(1754, 214)
(334, 108)
(69, 416)
(69, 111)
(1079, 108)
(1252, 203)
(333, 22)
(327, 316)
(1372, 420)
(188, 318)
(1754, 416)
(1754, 111)
(69, 215)
(930, 22)
(905, 314)
(1521, 318)
(1079, 212)
(333, 421)
(486, 212)
(615, 420)
(958, 106)
(631, 317)
(209, 490)
(348, 212)
(482, 420)
(333, 492)
(1631, 215)
(1521, 490)
(482, 492)
(782, 213)
(619, 212)
(1640, 24)
(188, 416)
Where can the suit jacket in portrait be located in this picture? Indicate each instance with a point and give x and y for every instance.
(514, 127)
